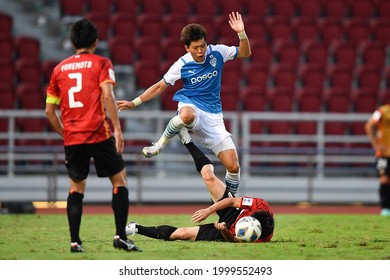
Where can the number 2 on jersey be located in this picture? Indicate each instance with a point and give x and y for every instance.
(71, 93)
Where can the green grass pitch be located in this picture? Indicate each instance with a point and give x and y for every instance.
(297, 237)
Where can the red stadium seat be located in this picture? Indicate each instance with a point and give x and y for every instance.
(340, 76)
(148, 7)
(258, 8)
(232, 75)
(121, 50)
(381, 30)
(123, 24)
(387, 77)
(312, 76)
(255, 28)
(29, 71)
(284, 75)
(72, 8)
(254, 99)
(7, 48)
(179, 7)
(363, 101)
(309, 8)
(102, 22)
(284, 8)
(335, 8)
(101, 6)
(316, 53)
(369, 76)
(281, 99)
(147, 73)
(261, 52)
(228, 6)
(256, 75)
(331, 29)
(7, 95)
(207, 8)
(30, 96)
(174, 24)
(6, 25)
(306, 30)
(207, 22)
(279, 28)
(47, 69)
(172, 49)
(383, 8)
(357, 30)
(27, 47)
(7, 72)
(308, 100)
(167, 104)
(363, 9)
(150, 25)
(373, 53)
(148, 49)
(287, 52)
(126, 6)
(336, 101)
(384, 97)
(344, 53)
(230, 98)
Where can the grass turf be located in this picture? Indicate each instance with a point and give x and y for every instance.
(297, 237)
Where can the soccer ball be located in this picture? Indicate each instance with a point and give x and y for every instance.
(248, 229)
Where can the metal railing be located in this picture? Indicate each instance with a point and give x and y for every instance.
(314, 172)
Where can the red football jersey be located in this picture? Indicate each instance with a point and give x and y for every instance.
(249, 205)
(75, 87)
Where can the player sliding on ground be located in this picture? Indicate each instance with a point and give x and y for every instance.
(229, 209)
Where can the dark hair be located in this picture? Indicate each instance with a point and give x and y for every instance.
(83, 33)
(192, 32)
(267, 222)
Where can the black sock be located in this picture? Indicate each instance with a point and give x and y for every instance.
(199, 157)
(74, 211)
(384, 195)
(120, 205)
(160, 232)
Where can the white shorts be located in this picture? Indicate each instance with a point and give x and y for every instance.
(210, 129)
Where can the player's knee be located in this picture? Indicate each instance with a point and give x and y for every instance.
(234, 168)
(187, 114)
(208, 174)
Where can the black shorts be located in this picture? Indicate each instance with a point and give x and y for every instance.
(208, 232)
(383, 166)
(106, 159)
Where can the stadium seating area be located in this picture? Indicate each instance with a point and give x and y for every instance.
(335, 52)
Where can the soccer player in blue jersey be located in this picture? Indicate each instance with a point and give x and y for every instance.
(199, 108)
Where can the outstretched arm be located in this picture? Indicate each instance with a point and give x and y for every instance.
(236, 23)
(202, 214)
(152, 92)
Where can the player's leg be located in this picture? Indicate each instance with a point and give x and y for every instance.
(204, 166)
(109, 163)
(77, 165)
(227, 153)
(185, 117)
(383, 168)
(74, 211)
(164, 232)
(384, 195)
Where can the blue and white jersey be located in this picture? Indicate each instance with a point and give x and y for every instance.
(201, 80)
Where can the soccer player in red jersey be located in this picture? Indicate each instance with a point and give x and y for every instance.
(229, 209)
(82, 87)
